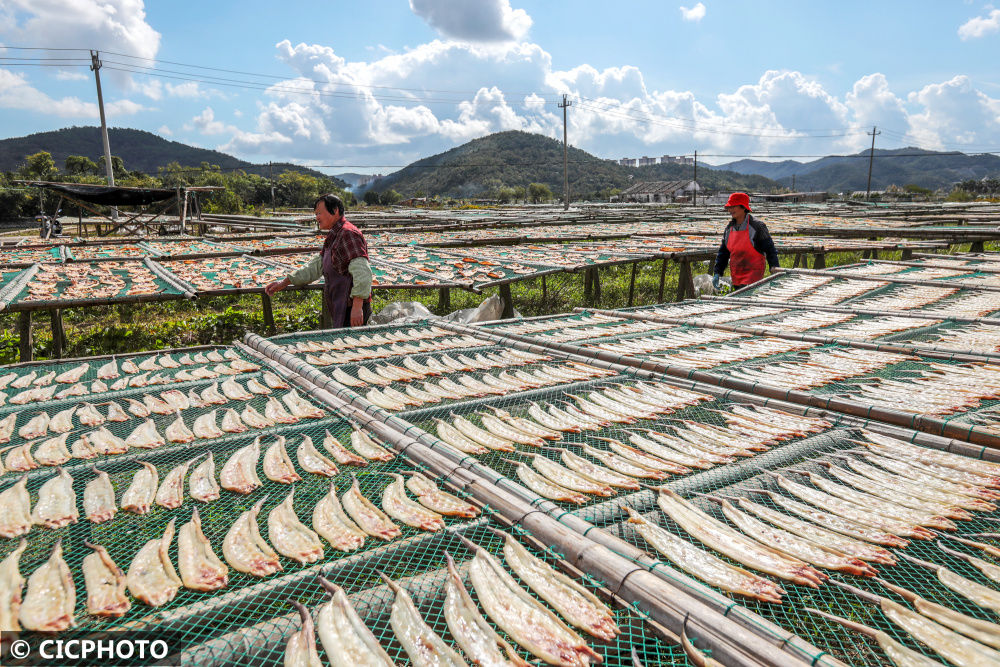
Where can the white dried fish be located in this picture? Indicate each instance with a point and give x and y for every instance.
(53, 452)
(234, 391)
(105, 584)
(290, 537)
(368, 448)
(311, 460)
(178, 431)
(210, 395)
(205, 427)
(330, 521)
(49, 603)
(151, 576)
(139, 496)
(274, 411)
(244, 548)
(201, 569)
(15, 519)
(239, 473)
(145, 436)
(171, 491)
(36, 427)
(398, 506)
(108, 371)
(273, 381)
(300, 407)
(103, 441)
(99, 498)
(19, 458)
(341, 454)
(277, 466)
(116, 413)
(346, 639)
(366, 516)
(254, 419)
(62, 421)
(424, 647)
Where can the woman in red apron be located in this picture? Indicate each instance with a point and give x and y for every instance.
(746, 246)
(343, 263)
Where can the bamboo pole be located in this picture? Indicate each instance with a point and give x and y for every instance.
(25, 343)
(888, 278)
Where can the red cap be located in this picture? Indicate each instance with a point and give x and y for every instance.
(739, 199)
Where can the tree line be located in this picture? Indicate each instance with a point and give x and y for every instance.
(244, 193)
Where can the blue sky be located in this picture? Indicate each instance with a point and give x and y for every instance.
(372, 86)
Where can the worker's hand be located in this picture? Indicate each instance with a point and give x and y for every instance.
(276, 286)
(357, 314)
(716, 280)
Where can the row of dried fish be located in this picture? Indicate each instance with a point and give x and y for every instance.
(969, 304)
(524, 618)
(728, 353)
(877, 327)
(353, 355)
(786, 288)
(367, 340)
(56, 504)
(672, 339)
(655, 454)
(839, 291)
(536, 326)
(893, 492)
(581, 333)
(168, 402)
(411, 369)
(906, 298)
(973, 337)
(345, 522)
(803, 320)
(94, 280)
(467, 386)
(58, 450)
(48, 391)
(940, 390)
(816, 368)
(704, 311)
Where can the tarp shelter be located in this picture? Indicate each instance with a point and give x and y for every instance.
(152, 203)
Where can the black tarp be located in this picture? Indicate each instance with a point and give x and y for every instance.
(109, 196)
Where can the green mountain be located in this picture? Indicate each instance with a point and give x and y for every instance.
(516, 158)
(901, 166)
(139, 150)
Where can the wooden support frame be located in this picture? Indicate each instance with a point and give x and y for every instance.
(663, 280)
(508, 302)
(26, 346)
(444, 299)
(820, 261)
(685, 281)
(58, 333)
(268, 310)
(631, 284)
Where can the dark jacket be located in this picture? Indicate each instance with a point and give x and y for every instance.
(759, 237)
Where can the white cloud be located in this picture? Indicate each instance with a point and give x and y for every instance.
(206, 124)
(62, 23)
(980, 26)
(479, 21)
(954, 113)
(696, 13)
(69, 75)
(165, 131)
(17, 93)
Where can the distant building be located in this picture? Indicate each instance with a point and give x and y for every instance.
(365, 180)
(676, 159)
(646, 161)
(660, 192)
(627, 162)
(796, 197)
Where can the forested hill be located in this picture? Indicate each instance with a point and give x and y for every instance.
(139, 150)
(517, 159)
(901, 166)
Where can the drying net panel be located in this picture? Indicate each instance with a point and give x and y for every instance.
(94, 281)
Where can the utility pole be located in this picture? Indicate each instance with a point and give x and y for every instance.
(871, 158)
(564, 105)
(95, 64)
(694, 192)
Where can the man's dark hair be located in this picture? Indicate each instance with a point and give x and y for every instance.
(332, 203)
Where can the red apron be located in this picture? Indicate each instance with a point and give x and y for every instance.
(746, 265)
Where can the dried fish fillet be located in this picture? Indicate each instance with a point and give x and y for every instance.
(201, 569)
(368, 448)
(171, 491)
(364, 513)
(290, 537)
(99, 498)
(11, 586)
(145, 436)
(15, 509)
(244, 548)
(703, 565)
(239, 473)
(398, 506)
(48, 605)
(424, 647)
(300, 407)
(202, 485)
(311, 460)
(300, 650)
(330, 522)
(478, 639)
(139, 496)
(580, 607)
(105, 584)
(56, 505)
(346, 639)
(433, 498)
(523, 618)
(53, 451)
(340, 453)
(151, 576)
(277, 466)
